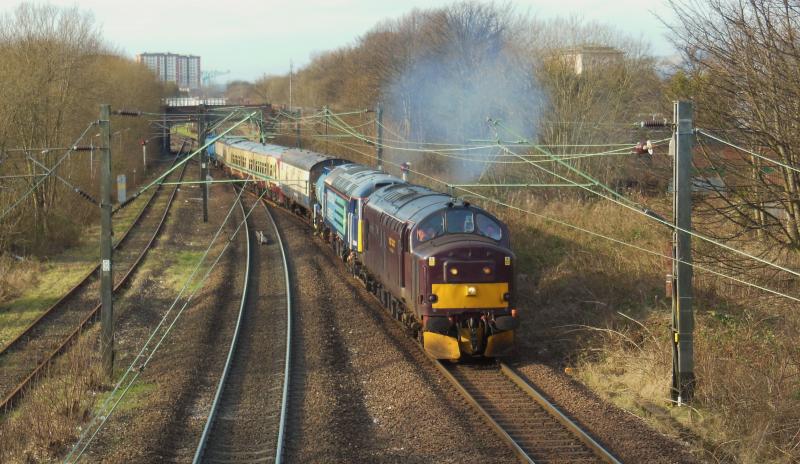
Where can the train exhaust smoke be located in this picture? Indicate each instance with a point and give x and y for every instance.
(448, 90)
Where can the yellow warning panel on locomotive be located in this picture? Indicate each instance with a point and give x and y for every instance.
(459, 296)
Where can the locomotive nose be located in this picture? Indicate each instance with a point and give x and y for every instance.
(470, 278)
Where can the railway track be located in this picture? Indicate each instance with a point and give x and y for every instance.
(247, 419)
(535, 429)
(532, 426)
(25, 357)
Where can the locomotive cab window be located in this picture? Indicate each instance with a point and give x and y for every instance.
(457, 221)
(430, 227)
(488, 227)
(460, 221)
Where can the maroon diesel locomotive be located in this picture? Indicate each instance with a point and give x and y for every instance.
(442, 265)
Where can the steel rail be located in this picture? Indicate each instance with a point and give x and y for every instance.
(587, 440)
(538, 398)
(201, 446)
(521, 454)
(7, 403)
(287, 361)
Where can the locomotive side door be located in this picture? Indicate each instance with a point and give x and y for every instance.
(405, 262)
(392, 264)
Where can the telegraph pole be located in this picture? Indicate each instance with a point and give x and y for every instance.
(379, 138)
(683, 380)
(144, 158)
(291, 71)
(201, 140)
(325, 111)
(298, 115)
(165, 136)
(106, 275)
(262, 137)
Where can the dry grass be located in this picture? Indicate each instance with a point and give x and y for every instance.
(49, 418)
(31, 285)
(601, 307)
(16, 275)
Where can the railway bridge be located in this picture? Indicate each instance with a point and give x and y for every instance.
(180, 110)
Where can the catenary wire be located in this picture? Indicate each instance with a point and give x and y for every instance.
(52, 170)
(587, 231)
(633, 206)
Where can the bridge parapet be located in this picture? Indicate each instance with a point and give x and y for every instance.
(179, 102)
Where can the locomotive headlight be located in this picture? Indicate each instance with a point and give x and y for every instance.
(487, 270)
(433, 298)
(472, 291)
(508, 261)
(453, 271)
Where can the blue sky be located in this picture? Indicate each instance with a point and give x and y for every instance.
(253, 37)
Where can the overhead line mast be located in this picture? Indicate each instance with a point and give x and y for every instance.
(106, 269)
(683, 379)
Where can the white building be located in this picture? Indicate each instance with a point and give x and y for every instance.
(591, 57)
(183, 70)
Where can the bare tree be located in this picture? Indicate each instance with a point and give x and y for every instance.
(743, 57)
(56, 71)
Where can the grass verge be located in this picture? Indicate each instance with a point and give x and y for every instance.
(33, 285)
(600, 310)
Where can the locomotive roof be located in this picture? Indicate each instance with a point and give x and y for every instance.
(356, 180)
(408, 202)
